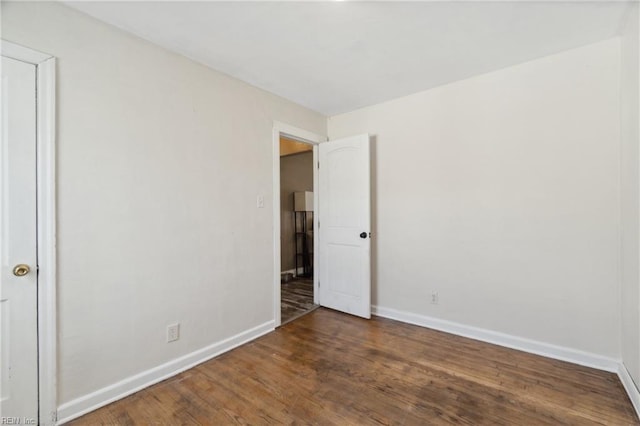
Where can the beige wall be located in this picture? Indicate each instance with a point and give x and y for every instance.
(630, 177)
(160, 161)
(296, 174)
(501, 193)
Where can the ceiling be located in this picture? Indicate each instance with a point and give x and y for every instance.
(291, 147)
(335, 57)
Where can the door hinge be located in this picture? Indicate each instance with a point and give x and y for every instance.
(318, 165)
(54, 417)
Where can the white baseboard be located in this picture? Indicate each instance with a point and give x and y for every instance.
(630, 387)
(87, 403)
(527, 345)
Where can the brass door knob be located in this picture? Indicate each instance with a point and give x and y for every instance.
(21, 270)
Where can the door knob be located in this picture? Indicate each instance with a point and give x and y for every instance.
(21, 270)
(363, 235)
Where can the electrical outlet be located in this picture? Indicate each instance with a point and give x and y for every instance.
(173, 332)
(435, 299)
(260, 201)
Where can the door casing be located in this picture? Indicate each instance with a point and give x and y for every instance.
(46, 221)
(291, 132)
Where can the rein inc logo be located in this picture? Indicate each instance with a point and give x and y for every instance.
(17, 421)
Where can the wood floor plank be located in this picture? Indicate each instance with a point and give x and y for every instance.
(328, 368)
(296, 298)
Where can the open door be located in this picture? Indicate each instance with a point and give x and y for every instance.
(18, 251)
(345, 225)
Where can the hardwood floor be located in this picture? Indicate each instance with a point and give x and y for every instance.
(332, 368)
(296, 298)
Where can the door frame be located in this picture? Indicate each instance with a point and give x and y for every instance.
(291, 132)
(46, 223)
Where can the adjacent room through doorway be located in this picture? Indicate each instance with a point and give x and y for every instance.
(296, 229)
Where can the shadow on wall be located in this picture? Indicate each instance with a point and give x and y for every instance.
(374, 219)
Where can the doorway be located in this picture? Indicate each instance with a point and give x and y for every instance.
(295, 251)
(296, 229)
(341, 253)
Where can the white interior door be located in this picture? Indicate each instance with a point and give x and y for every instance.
(18, 276)
(345, 225)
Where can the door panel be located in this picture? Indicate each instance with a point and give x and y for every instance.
(344, 214)
(18, 294)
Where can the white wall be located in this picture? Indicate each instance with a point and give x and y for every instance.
(160, 161)
(630, 177)
(501, 193)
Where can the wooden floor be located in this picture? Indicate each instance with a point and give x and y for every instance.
(296, 298)
(331, 368)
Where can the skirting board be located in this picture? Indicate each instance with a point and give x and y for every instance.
(630, 387)
(85, 404)
(532, 346)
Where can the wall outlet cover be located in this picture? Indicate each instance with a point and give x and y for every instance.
(173, 332)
